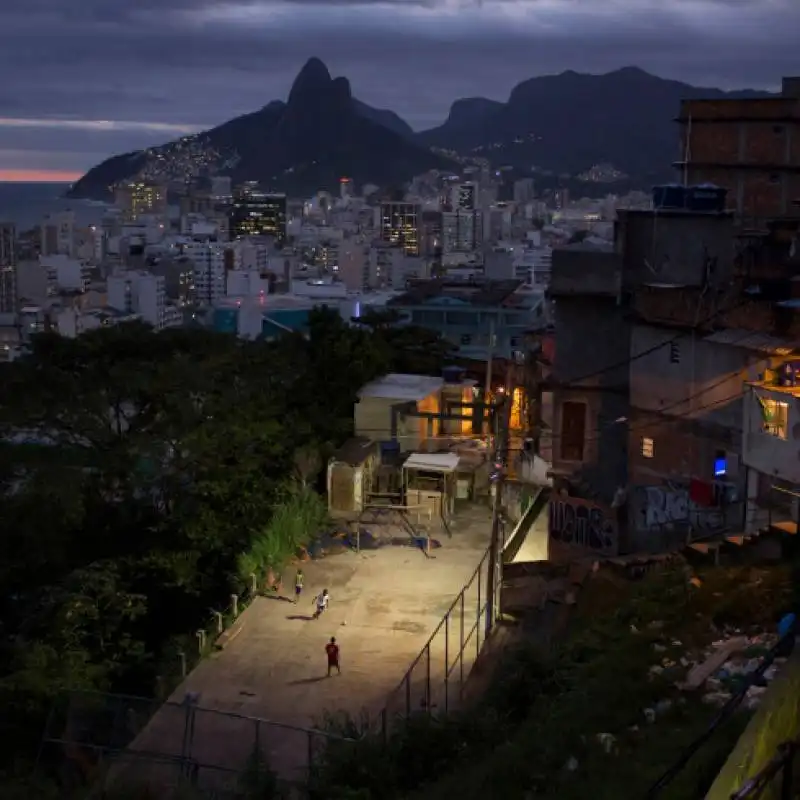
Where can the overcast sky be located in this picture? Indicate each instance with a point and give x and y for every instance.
(83, 80)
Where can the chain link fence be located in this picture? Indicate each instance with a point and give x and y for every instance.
(435, 681)
(103, 740)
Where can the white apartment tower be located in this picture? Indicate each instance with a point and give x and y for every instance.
(58, 234)
(139, 292)
(210, 262)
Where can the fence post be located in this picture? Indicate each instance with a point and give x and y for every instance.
(428, 697)
(446, 661)
(253, 584)
(235, 605)
(787, 783)
(220, 624)
(182, 659)
(478, 626)
(201, 641)
(461, 653)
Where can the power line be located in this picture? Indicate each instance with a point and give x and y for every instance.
(631, 359)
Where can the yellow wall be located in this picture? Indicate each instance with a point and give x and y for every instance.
(373, 419)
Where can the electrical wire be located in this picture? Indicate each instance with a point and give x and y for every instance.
(665, 343)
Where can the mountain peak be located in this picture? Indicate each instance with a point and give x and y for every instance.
(312, 78)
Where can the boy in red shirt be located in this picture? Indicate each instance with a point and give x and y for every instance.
(332, 649)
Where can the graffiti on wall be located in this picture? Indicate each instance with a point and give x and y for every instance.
(670, 505)
(584, 524)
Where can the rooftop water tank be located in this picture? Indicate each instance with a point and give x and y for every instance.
(706, 197)
(670, 195)
(453, 374)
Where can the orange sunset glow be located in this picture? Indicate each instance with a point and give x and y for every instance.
(37, 176)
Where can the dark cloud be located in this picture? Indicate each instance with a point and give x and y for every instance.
(195, 62)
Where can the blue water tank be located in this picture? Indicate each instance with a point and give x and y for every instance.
(453, 374)
(706, 197)
(669, 195)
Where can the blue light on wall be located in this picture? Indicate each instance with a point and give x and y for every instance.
(720, 466)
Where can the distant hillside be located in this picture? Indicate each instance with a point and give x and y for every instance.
(560, 124)
(566, 123)
(320, 134)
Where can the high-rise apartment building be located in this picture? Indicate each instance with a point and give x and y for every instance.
(58, 236)
(398, 224)
(210, 262)
(139, 198)
(748, 146)
(8, 268)
(258, 213)
(524, 190)
(464, 196)
(139, 292)
(462, 231)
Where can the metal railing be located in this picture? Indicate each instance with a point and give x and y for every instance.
(782, 648)
(436, 679)
(781, 768)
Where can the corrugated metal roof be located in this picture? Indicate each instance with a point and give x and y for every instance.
(432, 462)
(750, 340)
(397, 386)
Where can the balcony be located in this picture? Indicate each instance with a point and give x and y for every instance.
(771, 441)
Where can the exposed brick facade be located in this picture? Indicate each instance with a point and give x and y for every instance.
(751, 147)
(689, 308)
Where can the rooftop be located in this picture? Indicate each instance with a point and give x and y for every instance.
(396, 386)
(759, 342)
(354, 451)
(476, 293)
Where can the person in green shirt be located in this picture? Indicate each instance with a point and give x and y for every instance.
(299, 579)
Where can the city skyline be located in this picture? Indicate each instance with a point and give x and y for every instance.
(97, 80)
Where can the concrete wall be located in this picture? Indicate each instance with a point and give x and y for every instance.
(686, 399)
(674, 247)
(579, 269)
(593, 336)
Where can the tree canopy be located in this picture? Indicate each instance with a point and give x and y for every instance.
(137, 469)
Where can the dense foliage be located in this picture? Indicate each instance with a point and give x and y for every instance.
(142, 477)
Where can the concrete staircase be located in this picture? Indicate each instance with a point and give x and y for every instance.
(771, 542)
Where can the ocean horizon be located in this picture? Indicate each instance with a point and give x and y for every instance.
(27, 204)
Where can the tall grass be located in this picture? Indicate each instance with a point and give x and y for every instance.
(299, 515)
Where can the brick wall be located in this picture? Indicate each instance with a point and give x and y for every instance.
(711, 143)
(679, 307)
(752, 108)
(762, 195)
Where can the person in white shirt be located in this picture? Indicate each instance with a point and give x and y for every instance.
(321, 603)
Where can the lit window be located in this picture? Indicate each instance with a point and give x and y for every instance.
(648, 448)
(774, 417)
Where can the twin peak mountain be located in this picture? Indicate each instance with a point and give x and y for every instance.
(562, 123)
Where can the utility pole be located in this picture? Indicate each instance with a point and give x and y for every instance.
(502, 420)
(489, 358)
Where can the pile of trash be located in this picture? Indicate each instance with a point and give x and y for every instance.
(720, 670)
(727, 666)
(717, 672)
